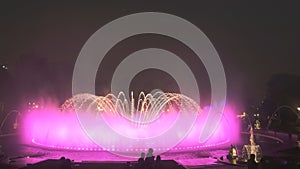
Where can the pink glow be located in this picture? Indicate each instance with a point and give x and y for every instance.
(49, 127)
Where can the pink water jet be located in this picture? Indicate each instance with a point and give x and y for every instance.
(77, 125)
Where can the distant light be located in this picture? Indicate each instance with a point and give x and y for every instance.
(298, 108)
(4, 67)
(244, 114)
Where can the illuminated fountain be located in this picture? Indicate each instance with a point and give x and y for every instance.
(251, 149)
(162, 121)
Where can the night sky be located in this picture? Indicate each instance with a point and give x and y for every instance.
(253, 40)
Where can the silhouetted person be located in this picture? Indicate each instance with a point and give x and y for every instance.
(64, 163)
(158, 164)
(150, 152)
(142, 158)
(68, 164)
(149, 161)
(141, 161)
(251, 162)
(62, 158)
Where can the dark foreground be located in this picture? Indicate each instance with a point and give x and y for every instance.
(51, 164)
(279, 151)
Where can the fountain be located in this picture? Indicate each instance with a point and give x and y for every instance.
(162, 121)
(251, 149)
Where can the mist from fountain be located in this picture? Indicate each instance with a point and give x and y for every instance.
(163, 121)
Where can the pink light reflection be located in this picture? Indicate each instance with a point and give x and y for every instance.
(52, 128)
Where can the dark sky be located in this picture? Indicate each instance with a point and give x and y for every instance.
(254, 40)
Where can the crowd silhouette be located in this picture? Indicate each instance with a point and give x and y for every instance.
(148, 161)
